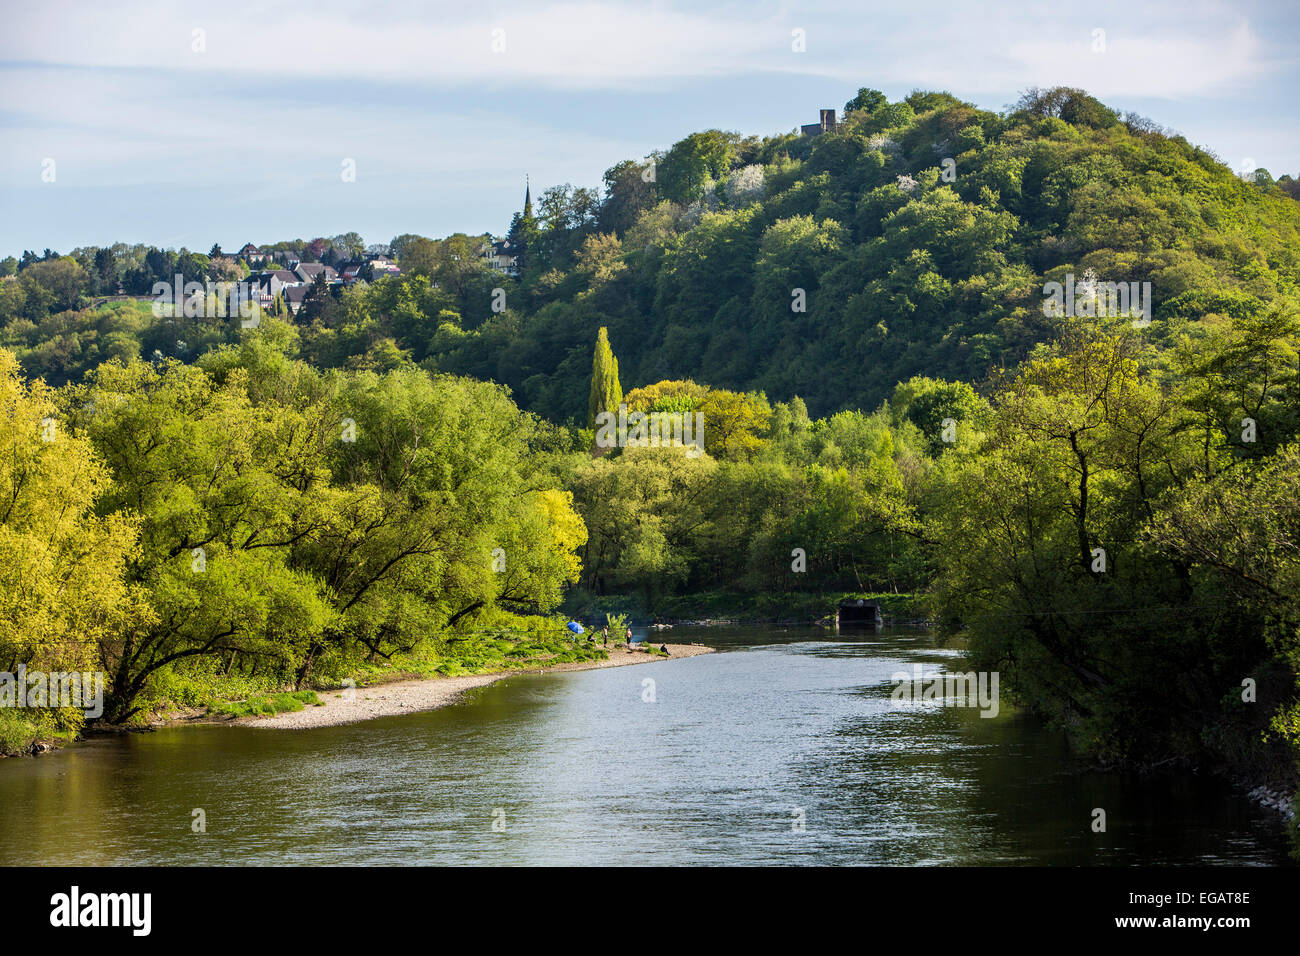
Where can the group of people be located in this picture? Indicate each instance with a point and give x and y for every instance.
(604, 636)
(604, 639)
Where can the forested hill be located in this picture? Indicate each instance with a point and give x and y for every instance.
(915, 238)
(694, 273)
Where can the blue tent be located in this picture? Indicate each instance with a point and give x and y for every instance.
(575, 627)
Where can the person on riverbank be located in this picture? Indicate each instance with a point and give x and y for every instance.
(629, 638)
(605, 636)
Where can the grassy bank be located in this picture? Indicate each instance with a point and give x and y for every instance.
(229, 689)
(268, 705)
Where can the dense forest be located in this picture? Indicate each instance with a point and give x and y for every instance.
(1105, 507)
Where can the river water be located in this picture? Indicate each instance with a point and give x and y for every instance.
(783, 748)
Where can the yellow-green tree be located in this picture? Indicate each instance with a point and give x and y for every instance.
(735, 424)
(540, 550)
(62, 584)
(606, 392)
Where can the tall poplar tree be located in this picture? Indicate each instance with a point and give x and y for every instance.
(606, 392)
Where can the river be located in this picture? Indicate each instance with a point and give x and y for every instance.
(785, 747)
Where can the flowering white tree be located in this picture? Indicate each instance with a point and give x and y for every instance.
(1086, 287)
(745, 185)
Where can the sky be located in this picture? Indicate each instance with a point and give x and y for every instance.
(187, 124)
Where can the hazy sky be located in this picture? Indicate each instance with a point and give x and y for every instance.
(240, 133)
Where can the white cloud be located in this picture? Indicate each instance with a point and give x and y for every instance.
(567, 44)
(1154, 50)
(1170, 65)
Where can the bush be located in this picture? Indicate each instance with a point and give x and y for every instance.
(19, 729)
(267, 706)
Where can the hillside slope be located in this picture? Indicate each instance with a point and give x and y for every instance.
(921, 233)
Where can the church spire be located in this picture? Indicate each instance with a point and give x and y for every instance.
(528, 199)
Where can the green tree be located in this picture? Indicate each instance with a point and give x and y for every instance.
(940, 410)
(693, 162)
(606, 392)
(417, 255)
(58, 283)
(866, 101)
(63, 582)
(213, 481)
(628, 193)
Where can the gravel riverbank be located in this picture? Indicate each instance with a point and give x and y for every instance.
(410, 696)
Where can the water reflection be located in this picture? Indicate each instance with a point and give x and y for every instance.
(738, 749)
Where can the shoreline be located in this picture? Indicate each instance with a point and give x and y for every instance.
(427, 693)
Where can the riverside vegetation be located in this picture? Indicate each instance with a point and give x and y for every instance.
(1108, 508)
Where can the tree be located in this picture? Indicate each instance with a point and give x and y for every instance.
(606, 392)
(105, 270)
(436, 480)
(667, 395)
(226, 269)
(418, 256)
(734, 423)
(793, 255)
(643, 512)
(460, 267)
(1074, 106)
(522, 232)
(867, 101)
(600, 260)
(316, 301)
(349, 245)
(542, 544)
(929, 403)
(222, 494)
(58, 282)
(397, 247)
(1049, 509)
(693, 162)
(1240, 531)
(628, 193)
(304, 522)
(63, 586)
(13, 299)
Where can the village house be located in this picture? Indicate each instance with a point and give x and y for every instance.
(382, 265)
(379, 266)
(308, 271)
(501, 256)
(252, 255)
(294, 295)
(265, 286)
